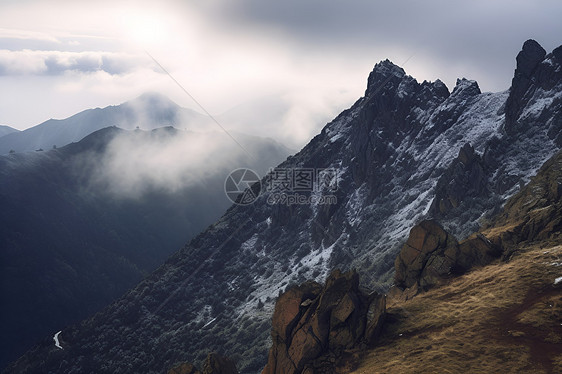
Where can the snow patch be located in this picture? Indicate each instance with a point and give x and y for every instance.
(56, 339)
(355, 204)
(249, 244)
(208, 323)
(204, 314)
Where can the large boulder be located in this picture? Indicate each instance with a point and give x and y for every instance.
(314, 324)
(426, 257)
(431, 255)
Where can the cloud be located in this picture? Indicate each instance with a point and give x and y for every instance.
(170, 160)
(28, 62)
(477, 39)
(27, 35)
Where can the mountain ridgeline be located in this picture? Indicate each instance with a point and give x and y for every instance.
(5, 130)
(148, 112)
(404, 152)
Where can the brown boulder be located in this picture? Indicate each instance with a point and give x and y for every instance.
(425, 257)
(476, 251)
(431, 255)
(313, 325)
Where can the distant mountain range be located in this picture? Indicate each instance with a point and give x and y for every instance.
(147, 112)
(81, 224)
(5, 130)
(404, 152)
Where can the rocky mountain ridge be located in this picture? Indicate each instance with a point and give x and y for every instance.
(430, 258)
(502, 317)
(393, 153)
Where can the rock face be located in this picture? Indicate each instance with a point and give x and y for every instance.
(431, 255)
(535, 213)
(475, 183)
(214, 364)
(464, 178)
(535, 74)
(314, 325)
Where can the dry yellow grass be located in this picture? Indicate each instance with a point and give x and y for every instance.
(503, 318)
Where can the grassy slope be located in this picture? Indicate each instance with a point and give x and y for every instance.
(503, 318)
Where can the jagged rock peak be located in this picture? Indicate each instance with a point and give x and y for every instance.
(382, 73)
(436, 88)
(387, 67)
(439, 85)
(529, 57)
(466, 87)
(536, 73)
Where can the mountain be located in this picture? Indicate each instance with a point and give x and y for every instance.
(148, 111)
(81, 224)
(404, 152)
(463, 324)
(5, 130)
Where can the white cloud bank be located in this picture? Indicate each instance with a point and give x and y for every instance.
(28, 62)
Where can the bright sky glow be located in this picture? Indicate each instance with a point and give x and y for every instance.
(306, 60)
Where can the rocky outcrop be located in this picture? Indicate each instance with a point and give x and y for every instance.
(535, 213)
(315, 326)
(536, 73)
(427, 253)
(431, 255)
(214, 364)
(527, 61)
(465, 177)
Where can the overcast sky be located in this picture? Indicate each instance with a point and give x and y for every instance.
(60, 57)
